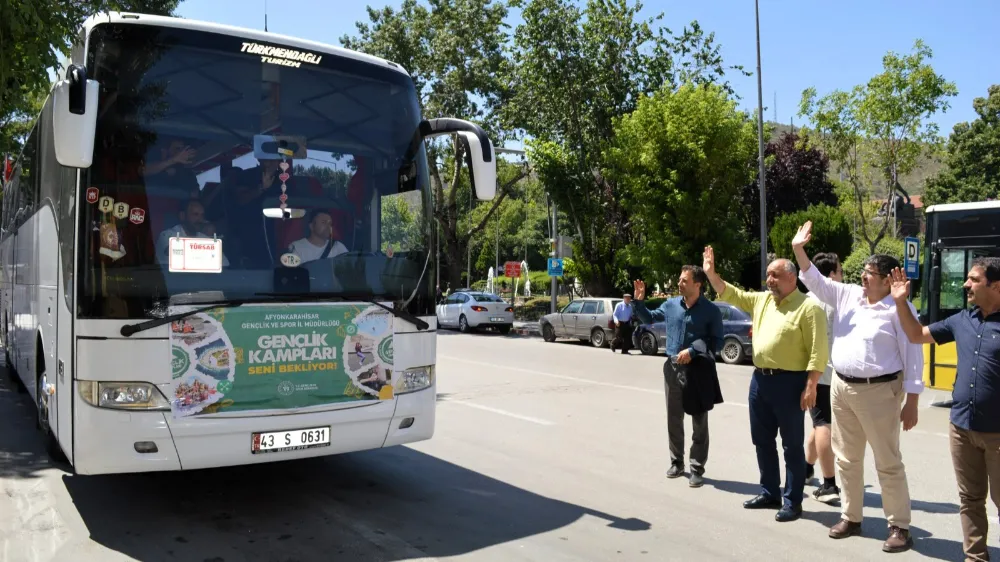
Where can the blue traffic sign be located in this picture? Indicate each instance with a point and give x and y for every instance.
(912, 258)
(555, 267)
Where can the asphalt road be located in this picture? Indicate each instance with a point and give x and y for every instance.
(543, 452)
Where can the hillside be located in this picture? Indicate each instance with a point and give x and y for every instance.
(913, 182)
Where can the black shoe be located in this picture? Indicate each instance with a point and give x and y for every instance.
(762, 501)
(788, 513)
(810, 472)
(675, 471)
(696, 480)
(827, 494)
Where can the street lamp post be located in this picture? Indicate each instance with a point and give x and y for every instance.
(760, 147)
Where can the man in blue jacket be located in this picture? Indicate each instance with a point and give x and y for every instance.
(688, 318)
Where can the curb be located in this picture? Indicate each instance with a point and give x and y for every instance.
(527, 332)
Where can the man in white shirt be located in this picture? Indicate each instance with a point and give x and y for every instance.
(875, 368)
(192, 225)
(320, 243)
(818, 446)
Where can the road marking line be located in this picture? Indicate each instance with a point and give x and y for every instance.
(499, 411)
(569, 378)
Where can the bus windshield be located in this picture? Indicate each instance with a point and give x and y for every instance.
(298, 169)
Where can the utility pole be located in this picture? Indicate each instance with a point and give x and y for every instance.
(437, 253)
(496, 264)
(760, 147)
(556, 251)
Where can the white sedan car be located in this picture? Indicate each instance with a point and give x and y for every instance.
(468, 310)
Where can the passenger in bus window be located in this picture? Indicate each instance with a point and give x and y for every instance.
(172, 171)
(247, 192)
(192, 225)
(321, 243)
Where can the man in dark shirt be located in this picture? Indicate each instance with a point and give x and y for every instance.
(975, 422)
(688, 318)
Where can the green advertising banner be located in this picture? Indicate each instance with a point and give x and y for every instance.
(279, 357)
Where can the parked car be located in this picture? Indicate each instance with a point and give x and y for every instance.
(470, 310)
(586, 319)
(737, 328)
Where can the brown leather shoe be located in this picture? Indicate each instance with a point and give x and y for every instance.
(899, 540)
(844, 529)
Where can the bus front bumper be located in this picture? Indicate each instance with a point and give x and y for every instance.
(110, 441)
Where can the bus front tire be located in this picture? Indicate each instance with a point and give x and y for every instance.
(52, 447)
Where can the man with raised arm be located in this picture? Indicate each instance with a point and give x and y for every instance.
(975, 410)
(789, 355)
(688, 319)
(876, 369)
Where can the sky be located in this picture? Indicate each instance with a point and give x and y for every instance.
(804, 43)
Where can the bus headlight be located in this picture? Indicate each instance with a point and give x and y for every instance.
(123, 395)
(412, 380)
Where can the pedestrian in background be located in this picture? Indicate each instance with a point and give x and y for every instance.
(818, 446)
(688, 319)
(876, 368)
(623, 325)
(790, 351)
(975, 410)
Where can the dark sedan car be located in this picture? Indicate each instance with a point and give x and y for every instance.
(737, 330)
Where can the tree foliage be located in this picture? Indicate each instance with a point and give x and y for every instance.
(680, 161)
(522, 222)
(831, 231)
(973, 171)
(797, 177)
(575, 71)
(877, 130)
(855, 262)
(34, 34)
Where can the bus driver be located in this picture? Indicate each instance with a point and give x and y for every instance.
(192, 225)
(320, 243)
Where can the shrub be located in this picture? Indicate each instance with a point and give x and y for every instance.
(831, 231)
(855, 262)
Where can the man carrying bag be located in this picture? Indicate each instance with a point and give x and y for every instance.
(694, 334)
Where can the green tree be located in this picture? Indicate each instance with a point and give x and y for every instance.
(877, 131)
(973, 172)
(831, 231)
(680, 160)
(522, 222)
(34, 34)
(574, 72)
(401, 228)
(454, 52)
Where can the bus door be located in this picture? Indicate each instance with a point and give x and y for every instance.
(950, 261)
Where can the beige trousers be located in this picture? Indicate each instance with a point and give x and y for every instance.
(869, 414)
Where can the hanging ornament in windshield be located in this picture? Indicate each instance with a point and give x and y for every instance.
(284, 178)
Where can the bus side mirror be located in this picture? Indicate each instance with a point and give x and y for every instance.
(482, 165)
(74, 118)
(479, 151)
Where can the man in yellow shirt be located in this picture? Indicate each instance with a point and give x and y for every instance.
(790, 351)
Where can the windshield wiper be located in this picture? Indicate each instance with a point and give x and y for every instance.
(130, 329)
(420, 324)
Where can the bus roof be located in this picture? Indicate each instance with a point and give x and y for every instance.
(255, 34)
(963, 206)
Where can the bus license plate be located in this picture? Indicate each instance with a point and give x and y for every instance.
(290, 440)
(496, 319)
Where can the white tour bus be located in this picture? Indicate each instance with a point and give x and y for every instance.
(215, 250)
